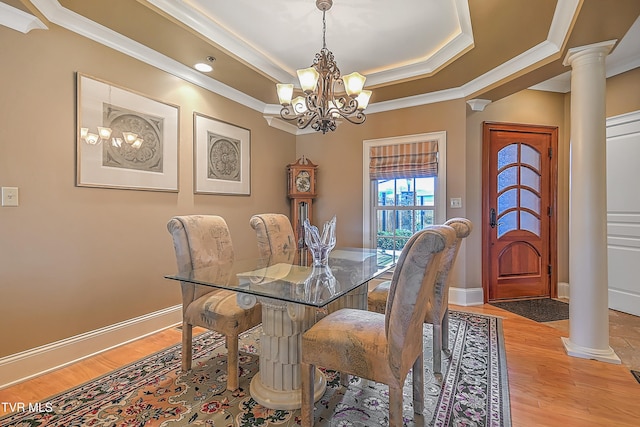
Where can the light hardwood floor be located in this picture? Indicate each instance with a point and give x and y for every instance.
(546, 387)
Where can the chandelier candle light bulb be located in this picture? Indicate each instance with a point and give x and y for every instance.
(320, 107)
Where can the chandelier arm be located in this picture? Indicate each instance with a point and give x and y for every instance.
(302, 119)
(321, 107)
(345, 106)
(356, 119)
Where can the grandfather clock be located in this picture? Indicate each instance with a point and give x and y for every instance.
(301, 189)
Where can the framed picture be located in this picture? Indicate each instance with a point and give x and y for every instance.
(222, 154)
(125, 140)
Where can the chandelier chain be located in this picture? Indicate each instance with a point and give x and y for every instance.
(324, 30)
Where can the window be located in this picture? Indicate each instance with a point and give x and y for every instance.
(403, 189)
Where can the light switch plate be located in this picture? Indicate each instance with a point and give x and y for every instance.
(9, 196)
(456, 202)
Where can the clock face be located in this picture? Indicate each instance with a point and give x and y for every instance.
(303, 182)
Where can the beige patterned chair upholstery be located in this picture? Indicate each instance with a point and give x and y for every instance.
(204, 241)
(378, 347)
(438, 302)
(276, 241)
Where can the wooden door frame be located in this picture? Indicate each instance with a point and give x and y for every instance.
(487, 127)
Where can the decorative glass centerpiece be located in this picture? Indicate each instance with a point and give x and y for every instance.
(320, 245)
(320, 284)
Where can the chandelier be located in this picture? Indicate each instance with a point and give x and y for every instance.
(324, 100)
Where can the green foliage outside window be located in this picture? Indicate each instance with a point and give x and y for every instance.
(386, 239)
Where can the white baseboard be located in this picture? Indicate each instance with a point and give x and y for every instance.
(563, 290)
(624, 301)
(36, 361)
(466, 296)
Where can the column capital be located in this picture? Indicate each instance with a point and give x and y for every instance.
(575, 52)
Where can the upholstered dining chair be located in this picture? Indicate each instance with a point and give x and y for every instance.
(276, 241)
(204, 241)
(437, 303)
(381, 347)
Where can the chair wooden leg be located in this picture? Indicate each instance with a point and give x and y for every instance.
(437, 349)
(445, 334)
(418, 384)
(187, 345)
(395, 406)
(307, 377)
(233, 370)
(344, 379)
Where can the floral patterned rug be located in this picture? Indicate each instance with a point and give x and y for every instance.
(154, 392)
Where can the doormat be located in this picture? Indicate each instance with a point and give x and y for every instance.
(636, 375)
(540, 310)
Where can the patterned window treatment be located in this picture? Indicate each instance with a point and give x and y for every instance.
(414, 160)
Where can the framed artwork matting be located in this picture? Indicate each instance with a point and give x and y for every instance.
(140, 147)
(222, 157)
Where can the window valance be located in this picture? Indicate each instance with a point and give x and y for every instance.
(413, 160)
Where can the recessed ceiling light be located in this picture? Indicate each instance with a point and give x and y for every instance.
(205, 67)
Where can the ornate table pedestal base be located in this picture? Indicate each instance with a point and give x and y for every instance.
(278, 385)
(284, 399)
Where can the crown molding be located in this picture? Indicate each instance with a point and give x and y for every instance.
(212, 31)
(564, 15)
(415, 100)
(478, 104)
(272, 115)
(190, 16)
(72, 21)
(19, 20)
(457, 46)
(560, 84)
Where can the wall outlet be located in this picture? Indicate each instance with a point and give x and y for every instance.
(9, 196)
(456, 202)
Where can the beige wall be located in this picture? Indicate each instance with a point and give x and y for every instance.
(75, 259)
(623, 93)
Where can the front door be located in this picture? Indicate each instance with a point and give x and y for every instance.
(519, 211)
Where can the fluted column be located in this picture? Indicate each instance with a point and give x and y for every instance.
(588, 267)
(277, 385)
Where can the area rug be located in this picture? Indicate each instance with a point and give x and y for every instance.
(540, 310)
(473, 391)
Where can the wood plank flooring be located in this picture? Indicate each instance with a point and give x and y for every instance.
(546, 387)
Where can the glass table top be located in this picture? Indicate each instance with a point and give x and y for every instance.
(347, 269)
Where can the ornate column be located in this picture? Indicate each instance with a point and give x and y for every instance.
(588, 267)
(277, 384)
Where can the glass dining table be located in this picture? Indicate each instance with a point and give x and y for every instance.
(292, 297)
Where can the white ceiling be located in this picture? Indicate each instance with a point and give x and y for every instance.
(385, 41)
